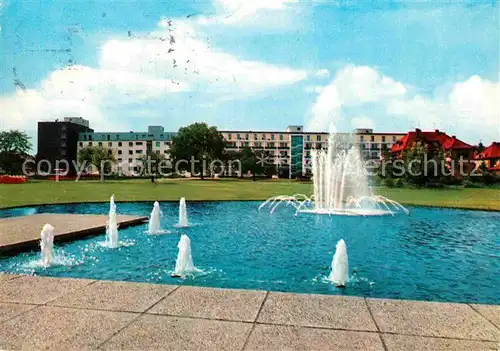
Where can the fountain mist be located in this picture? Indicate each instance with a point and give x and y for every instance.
(112, 226)
(154, 219)
(340, 265)
(340, 185)
(47, 244)
(184, 264)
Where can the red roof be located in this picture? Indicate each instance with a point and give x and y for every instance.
(492, 151)
(442, 139)
(495, 168)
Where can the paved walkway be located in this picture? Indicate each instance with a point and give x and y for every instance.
(57, 313)
(23, 233)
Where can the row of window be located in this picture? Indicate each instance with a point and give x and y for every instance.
(257, 144)
(372, 138)
(130, 144)
(117, 136)
(255, 136)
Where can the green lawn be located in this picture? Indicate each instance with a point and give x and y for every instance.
(39, 192)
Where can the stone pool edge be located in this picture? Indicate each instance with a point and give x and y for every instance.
(143, 314)
(226, 200)
(27, 245)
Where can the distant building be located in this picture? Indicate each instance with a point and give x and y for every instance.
(490, 157)
(58, 140)
(436, 140)
(128, 148)
(290, 150)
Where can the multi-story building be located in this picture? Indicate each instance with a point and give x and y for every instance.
(57, 141)
(292, 148)
(289, 150)
(129, 148)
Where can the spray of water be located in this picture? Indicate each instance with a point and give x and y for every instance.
(47, 244)
(184, 265)
(112, 226)
(340, 265)
(154, 220)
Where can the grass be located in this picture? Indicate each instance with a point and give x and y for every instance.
(45, 192)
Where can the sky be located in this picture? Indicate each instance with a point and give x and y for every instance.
(253, 65)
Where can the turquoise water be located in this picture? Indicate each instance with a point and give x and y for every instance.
(432, 254)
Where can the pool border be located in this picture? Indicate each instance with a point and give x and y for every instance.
(232, 200)
(28, 245)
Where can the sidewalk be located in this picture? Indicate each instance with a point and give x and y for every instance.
(59, 313)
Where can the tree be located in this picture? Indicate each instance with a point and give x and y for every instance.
(153, 164)
(15, 141)
(14, 148)
(98, 157)
(195, 147)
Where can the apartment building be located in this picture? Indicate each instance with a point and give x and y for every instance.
(289, 149)
(57, 141)
(128, 148)
(292, 148)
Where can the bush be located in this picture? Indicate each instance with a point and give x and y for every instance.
(399, 183)
(469, 184)
(389, 182)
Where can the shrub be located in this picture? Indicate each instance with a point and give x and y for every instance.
(389, 182)
(399, 183)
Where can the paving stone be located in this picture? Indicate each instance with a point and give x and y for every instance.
(277, 337)
(418, 343)
(490, 312)
(5, 276)
(308, 310)
(237, 305)
(450, 320)
(116, 296)
(47, 327)
(154, 332)
(38, 290)
(9, 310)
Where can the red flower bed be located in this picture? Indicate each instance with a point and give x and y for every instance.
(8, 179)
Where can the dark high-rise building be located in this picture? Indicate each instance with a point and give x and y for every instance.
(58, 141)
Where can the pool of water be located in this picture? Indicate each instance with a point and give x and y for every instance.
(432, 254)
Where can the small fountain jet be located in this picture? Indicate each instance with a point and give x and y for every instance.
(184, 264)
(340, 265)
(112, 226)
(47, 244)
(183, 219)
(154, 219)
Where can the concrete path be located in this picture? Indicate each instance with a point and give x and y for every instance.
(59, 313)
(23, 233)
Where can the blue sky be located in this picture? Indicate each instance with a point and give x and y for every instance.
(259, 65)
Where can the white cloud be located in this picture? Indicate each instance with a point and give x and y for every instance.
(362, 122)
(351, 86)
(322, 73)
(244, 12)
(135, 71)
(178, 51)
(318, 89)
(468, 109)
(471, 108)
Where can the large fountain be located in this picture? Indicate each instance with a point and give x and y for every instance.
(340, 185)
